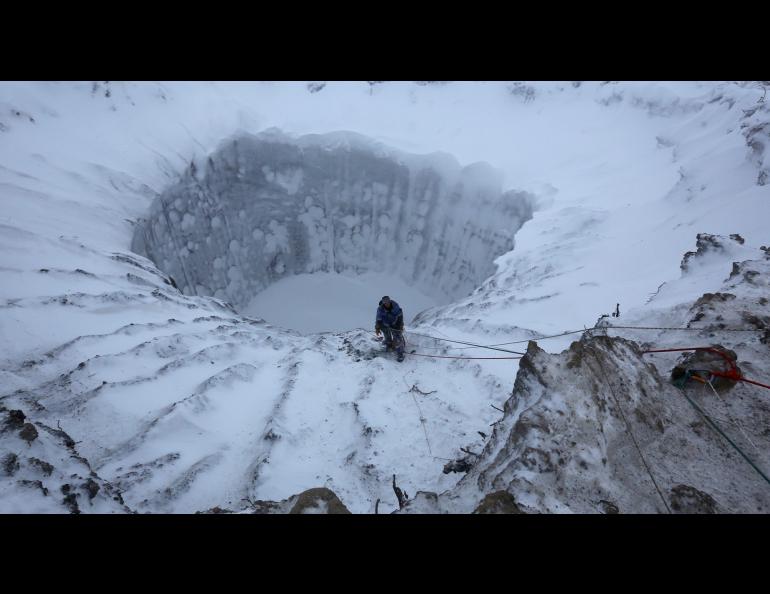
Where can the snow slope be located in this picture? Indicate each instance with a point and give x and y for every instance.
(599, 428)
(182, 404)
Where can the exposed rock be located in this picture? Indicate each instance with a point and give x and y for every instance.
(70, 499)
(761, 323)
(314, 87)
(525, 92)
(318, 501)
(460, 465)
(707, 361)
(689, 500)
(608, 507)
(10, 464)
(757, 134)
(44, 466)
(61, 434)
(499, 502)
(597, 429)
(712, 299)
(215, 510)
(423, 502)
(28, 433)
(707, 243)
(91, 487)
(15, 419)
(35, 484)
(267, 507)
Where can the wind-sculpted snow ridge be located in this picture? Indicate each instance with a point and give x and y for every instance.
(267, 206)
(599, 427)
(213, 409)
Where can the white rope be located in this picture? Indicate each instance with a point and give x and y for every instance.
(422, 422)
(735, 422)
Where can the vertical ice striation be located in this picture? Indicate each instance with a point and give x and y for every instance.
(267, 206)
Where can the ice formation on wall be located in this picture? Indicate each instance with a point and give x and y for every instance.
(267, 206)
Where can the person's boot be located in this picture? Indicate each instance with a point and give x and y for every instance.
(400, 356)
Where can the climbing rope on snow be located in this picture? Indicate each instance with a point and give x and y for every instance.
(735, 422)
(723, 434)
(732, 374)
(422, 422)
(567, 333)
(454, 357)
(582, 330)
(480, 346)
(463, 358)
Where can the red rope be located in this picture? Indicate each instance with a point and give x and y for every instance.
(741, 379)
(730, 362)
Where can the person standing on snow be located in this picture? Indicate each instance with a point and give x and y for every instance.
(390, 322)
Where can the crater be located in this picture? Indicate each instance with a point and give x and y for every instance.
(329, 223)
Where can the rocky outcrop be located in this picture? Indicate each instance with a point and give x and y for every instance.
(596, 429)
(44, 473)
(688, 500)
(707, 243)
(318, 500)
(499, 502)
(756, 131)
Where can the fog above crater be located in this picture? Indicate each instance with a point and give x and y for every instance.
(265, 207)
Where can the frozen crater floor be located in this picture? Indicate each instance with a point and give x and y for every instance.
(328, 302)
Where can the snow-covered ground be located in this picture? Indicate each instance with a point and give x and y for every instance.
(183, 404)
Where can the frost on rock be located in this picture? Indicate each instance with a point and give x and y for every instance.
(269, 206)
(707, 244)
(319, 500)
(756, 131)
(596, 429)
(44, 472)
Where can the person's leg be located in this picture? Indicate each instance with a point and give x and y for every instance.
(398, 342)
(387, 334)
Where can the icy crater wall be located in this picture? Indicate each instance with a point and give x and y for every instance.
(267, 206)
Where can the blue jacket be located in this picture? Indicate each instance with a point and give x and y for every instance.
(393, 318)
